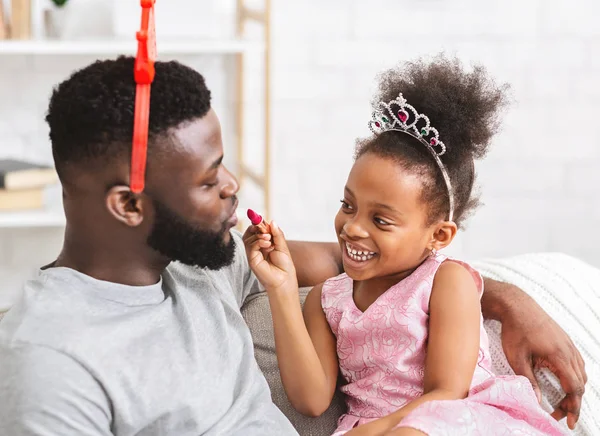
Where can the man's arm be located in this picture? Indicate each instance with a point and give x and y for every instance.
(315, 261)
(500, 296)
(46, 393)
(530, 339)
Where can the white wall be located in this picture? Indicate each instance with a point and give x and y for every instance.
(541, 181)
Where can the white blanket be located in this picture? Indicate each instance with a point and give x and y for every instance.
(569, 290)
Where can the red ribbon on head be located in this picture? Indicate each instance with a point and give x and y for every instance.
(144, 76)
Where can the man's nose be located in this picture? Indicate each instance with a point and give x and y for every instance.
(231, 185)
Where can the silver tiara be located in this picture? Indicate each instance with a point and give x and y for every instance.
(399, 116)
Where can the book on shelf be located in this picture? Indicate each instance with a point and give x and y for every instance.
(3, 22)
(22, 199)
(16, 175)
(20, 19)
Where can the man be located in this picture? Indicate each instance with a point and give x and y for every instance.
(136, 327)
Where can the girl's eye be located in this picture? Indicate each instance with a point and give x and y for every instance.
(211, 185)
(345, 205)
(381, 222)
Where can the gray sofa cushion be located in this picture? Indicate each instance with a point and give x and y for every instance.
(258, 316)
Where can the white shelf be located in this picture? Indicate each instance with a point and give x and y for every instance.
(98, 47)
(34, 218)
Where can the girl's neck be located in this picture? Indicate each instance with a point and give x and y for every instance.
(366, 292)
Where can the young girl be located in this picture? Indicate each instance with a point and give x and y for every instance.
(403, 323)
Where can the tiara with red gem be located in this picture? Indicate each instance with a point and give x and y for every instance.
(399, 116)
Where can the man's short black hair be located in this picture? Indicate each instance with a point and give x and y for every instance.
(91, 113)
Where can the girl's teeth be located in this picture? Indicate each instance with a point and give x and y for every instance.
(358, 254)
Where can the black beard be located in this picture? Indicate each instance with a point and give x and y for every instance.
(178, 240)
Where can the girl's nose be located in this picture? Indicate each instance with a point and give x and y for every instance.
(354, 229)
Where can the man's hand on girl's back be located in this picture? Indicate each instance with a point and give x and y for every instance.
(531, 339)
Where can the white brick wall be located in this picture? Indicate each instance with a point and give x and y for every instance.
(540, 183)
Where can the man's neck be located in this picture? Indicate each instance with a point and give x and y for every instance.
(127, 264)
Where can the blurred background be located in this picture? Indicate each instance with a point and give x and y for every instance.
(540, 183)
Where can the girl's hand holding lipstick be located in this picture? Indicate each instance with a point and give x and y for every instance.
(269, 256)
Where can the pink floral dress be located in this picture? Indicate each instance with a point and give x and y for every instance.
(382, 357)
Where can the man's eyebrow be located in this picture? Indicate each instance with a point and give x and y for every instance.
(216, 164)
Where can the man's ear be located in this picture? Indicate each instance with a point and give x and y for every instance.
(443, 234)
(125, 206)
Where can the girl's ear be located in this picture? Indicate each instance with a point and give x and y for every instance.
(443, 234)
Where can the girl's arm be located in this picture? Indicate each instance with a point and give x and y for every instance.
(306, 351)
(308, 370)
(453, 344)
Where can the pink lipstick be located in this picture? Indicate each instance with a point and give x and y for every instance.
(258, 221)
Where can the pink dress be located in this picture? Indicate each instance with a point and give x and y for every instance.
(382, 357)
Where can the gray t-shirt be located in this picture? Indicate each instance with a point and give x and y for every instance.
(79, 356)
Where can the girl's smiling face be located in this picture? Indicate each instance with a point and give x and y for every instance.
(383, 224)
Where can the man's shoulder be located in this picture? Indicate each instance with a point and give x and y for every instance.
(29, 314)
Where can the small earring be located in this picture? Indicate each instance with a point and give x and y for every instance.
(433, 252)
